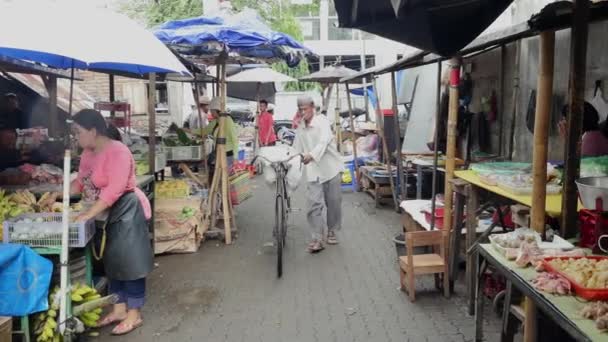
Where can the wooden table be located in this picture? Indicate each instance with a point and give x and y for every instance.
(378, 187)
(467, 185)
(562, 310)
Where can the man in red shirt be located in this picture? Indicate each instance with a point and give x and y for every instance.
(267, 134)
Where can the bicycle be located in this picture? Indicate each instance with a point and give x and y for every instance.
(282, 206)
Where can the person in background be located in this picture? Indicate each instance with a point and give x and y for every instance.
(106, 180)
(232, 141)
(194, 120)
(267, 134)
(11, 115)
(323, 173)
(594, 142)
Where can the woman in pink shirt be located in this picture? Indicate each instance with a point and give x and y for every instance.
(106, 180)
(594, 142)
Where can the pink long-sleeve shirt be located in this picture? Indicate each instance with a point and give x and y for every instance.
(108, 174)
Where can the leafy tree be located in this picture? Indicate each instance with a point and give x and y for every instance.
(155, 12)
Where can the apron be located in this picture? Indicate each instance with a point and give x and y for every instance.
(128, 254)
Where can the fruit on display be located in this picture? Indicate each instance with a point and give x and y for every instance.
(45, 323)
(172, 189)
(589, 273)
(9, 208)
(27, 200)
(142, 167)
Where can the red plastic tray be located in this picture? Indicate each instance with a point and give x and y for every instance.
(583, 292)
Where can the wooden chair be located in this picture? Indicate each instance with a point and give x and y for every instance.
(411, 264)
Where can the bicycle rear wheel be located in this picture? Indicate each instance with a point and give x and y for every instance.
(279, 215)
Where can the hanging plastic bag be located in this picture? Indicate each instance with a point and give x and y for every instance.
(25, 278)
(598, 101)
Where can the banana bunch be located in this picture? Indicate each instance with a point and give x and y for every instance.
(45, 323)
(9, 208)
(27, 200)
(81, 294)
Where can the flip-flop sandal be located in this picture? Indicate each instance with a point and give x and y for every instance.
(108, 320)
(123, 328)
(315, 248)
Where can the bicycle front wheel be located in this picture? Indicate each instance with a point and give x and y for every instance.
(280, 232)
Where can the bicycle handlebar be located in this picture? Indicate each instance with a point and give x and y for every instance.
(275, 162)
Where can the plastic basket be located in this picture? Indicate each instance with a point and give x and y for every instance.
(45, 231)
(240, 188)
(583, 292)
(179, 153)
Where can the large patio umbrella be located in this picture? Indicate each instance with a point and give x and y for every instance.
(258, 77)
(81, 37)
(329, 76)
(67, 35)
(440, 26)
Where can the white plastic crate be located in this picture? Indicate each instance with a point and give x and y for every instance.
(179, 153)
(44, 230)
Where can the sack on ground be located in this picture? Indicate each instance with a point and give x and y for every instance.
(177, 226)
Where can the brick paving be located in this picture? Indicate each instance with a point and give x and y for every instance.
(346, 293)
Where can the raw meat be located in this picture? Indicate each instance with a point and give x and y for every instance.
(552, 283)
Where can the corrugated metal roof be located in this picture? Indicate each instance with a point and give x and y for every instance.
(81, 100)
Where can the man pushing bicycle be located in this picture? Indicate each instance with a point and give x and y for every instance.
(323, 173)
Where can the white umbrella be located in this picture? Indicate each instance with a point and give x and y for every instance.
(260, 75)
(65, 34)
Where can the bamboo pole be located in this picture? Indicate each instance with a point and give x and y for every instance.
(152, 121)
(436, 143)
(256, 140)
(352, 127)
(387, 159)
(223, 164)
(500, 97)
(397, 132)
(574, 121)
(539, 161)
(197, 95)
(450, 160)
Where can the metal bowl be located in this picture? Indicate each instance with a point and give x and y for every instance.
(591, 188)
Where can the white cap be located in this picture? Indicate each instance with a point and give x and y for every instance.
(305, 100)
(215, 104)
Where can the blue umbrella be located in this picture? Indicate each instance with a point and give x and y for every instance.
(243, 33)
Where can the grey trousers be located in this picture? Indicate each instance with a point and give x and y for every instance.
(325, 206)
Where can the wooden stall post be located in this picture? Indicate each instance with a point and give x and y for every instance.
(152, 121)
(352, 127)
(52, 90)
(256, 140)
(203, 173)
(397, 132)
(385, 153)
(450, 160)
(337, 119)
(436, 144)
(539, 153)
(222, 163)
(112, 92)
(574, 120)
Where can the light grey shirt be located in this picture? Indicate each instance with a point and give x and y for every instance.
(318, 140)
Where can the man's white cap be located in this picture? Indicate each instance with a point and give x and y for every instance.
(215, 104)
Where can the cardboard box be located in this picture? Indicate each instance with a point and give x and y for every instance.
(6, 329)
(174, 234)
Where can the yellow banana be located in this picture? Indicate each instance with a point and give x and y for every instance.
(76, 298)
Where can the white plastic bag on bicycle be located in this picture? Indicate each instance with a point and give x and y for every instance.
(280, 153)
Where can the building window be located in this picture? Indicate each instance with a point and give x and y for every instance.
(336, 33)
(311, 28)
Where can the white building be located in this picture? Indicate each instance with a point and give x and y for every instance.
(331, 43)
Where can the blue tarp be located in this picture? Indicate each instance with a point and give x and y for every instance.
(243, 33)
(370, 94)
(25, 278)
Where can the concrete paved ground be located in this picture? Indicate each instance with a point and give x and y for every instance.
(346, 293)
